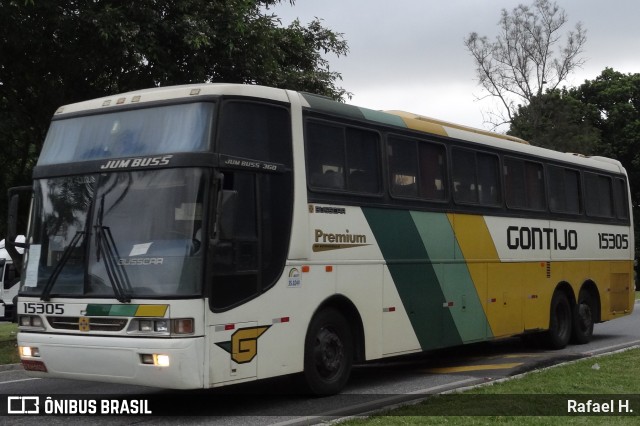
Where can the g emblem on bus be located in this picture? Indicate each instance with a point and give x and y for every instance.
(243, 346)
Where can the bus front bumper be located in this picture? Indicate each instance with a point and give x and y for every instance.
(160, 362)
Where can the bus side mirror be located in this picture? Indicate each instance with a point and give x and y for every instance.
(12, 226)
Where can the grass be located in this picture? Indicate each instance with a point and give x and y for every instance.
(8, 346)
(540, 397)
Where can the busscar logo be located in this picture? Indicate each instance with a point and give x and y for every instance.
(23, 405)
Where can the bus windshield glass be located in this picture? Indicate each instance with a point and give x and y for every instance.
(127, 133)
(125, 234)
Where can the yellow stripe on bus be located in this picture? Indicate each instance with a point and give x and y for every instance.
(151, 310)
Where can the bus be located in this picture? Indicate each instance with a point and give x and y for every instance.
(206, 235)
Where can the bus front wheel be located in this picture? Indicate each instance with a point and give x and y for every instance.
(328, 353)
(560, 321)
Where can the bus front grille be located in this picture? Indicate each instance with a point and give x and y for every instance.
(87, 324)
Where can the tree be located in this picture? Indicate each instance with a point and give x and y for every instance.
(556, 120)
(58, 52)
(527, 57)
(614, 101)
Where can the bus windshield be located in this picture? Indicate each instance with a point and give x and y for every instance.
(126, 133)
(125, 234)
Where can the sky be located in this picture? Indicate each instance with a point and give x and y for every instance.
(410, 55)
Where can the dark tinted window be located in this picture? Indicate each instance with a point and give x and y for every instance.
(564, 190)
(620, 198)
(475, 177)
(598, 193)
(417, 168)
(255, 130)
(524, 182)
(342, 158)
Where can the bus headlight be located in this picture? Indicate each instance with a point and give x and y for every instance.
(159, 360)
(32, 321)
(161, 326)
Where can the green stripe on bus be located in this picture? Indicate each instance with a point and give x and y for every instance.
(95, 310)
(414, 277)
(383, 117)
(456, 283)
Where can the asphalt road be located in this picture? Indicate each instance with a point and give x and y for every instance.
(372, 386)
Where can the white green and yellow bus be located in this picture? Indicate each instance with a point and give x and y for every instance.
(205, 235)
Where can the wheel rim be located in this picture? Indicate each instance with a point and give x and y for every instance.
(328, 353)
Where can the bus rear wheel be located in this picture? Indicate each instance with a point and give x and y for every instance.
(560, 322)
(328, 353)
(583, 319)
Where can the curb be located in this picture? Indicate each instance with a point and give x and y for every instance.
(10, 367)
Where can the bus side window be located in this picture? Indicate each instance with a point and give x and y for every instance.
(524, 181)
(620, 198)
(465, 188)
(342, 158)
(432, 171)
(599, 197)
(417, 168)
(403, 168)
(476, 177)
(564, 190)
(362, 160)
(326, 156)
(255, 130)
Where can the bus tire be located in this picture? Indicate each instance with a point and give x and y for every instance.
(328, 353)
(583, 319)
(560, 321)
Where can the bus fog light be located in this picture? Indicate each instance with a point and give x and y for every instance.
(182, 326)
(161, 360)
(28, 351)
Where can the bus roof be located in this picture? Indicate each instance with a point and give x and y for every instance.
(174, 92)
(395, 118)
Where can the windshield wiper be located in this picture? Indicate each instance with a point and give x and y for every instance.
(66, 254)
(115, 271)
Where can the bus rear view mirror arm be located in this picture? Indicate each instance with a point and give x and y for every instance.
(12, 225)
